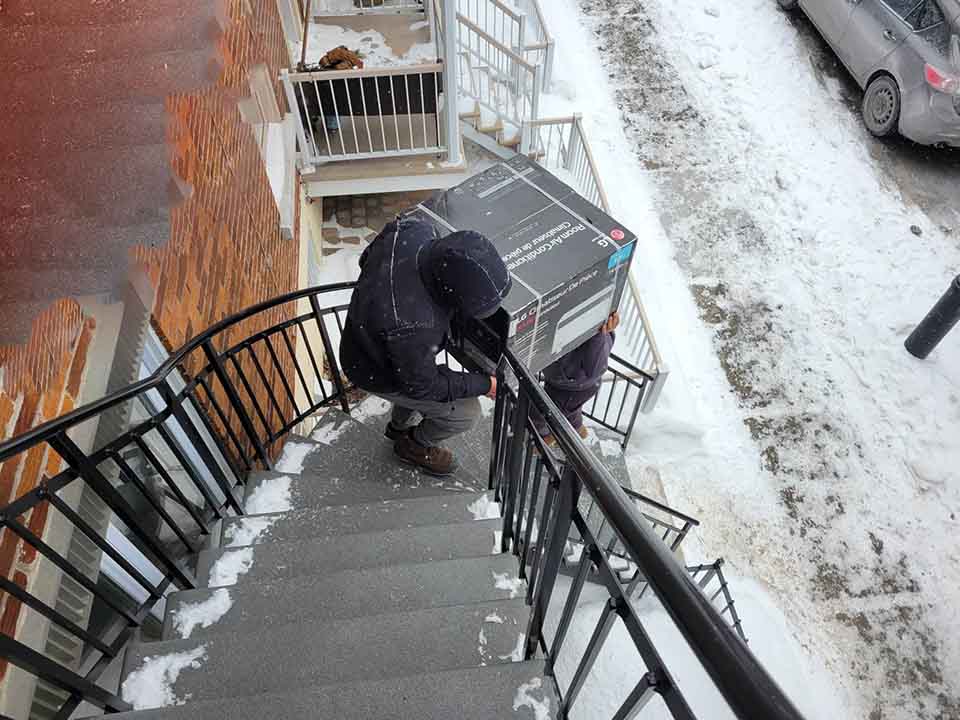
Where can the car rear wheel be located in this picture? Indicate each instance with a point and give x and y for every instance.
(881, 106)
(788, 4)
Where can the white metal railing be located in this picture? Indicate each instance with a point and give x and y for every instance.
(333, 8)
(496, 77)
(561, 146)
(538, 46)
(497, 19)
(520, 27)
(369, 113)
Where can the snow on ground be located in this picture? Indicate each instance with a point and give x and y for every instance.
(151, 684)
(369, 44)
(270, 496)
(201, 614)
(781, 276)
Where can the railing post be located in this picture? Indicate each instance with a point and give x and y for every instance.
(560, 521)
(193, 435)
(306, 157)
(518, 441)
(233, 396)
(451, 83)
(534, 106)
(548, 64)
(652, 395)
(572, 142)
(498, 434)
(331, 355)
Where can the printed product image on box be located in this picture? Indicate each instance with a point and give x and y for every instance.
(569, 260)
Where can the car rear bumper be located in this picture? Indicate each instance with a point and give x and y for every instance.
(930, 118)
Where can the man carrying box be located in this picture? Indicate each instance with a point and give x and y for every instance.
(412, 285)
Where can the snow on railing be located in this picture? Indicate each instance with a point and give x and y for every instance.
(561, 146)
(496, 77)
(370, 113)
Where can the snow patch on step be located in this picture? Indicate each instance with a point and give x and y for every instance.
(270, 496)
(486, 405)
(248, 531)
(526, 699)
(497, 540)
(517, 654)
(230, 566)
(293, 456)
(513, 585)
(203, 614)
(372, 406)
(484, 508)
(329, 433)
(151, 684)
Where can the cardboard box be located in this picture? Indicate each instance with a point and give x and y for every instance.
(569, 260)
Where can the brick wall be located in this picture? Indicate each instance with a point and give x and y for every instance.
(225, 252)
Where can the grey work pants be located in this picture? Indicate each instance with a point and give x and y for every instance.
(440, 420)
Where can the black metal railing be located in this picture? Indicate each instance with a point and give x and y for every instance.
(541, 504)
(215, 409)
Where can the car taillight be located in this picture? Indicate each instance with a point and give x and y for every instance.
(941, 81)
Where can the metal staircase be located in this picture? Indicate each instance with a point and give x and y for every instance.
(336, 583)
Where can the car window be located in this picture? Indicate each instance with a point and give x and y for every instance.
(903, 8)
(939, 37)
(932, 26)
(926, 16)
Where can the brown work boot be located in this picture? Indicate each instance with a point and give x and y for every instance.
(432, 460)
(584, 433)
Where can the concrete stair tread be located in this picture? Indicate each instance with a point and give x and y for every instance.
(317, 653)
(342, 595)
(302, 523)
(323, 555)
(345, 462)
(472, 448)
(482, 693)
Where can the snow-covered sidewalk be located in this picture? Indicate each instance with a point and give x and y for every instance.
(782, 276)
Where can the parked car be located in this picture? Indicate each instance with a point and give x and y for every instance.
(905, 54)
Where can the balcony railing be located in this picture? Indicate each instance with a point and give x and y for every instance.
(334, 8)
(370, 113)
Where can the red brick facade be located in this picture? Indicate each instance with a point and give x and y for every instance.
(225, 252)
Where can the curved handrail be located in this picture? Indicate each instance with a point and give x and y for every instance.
(50, 428)
(738, 675)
